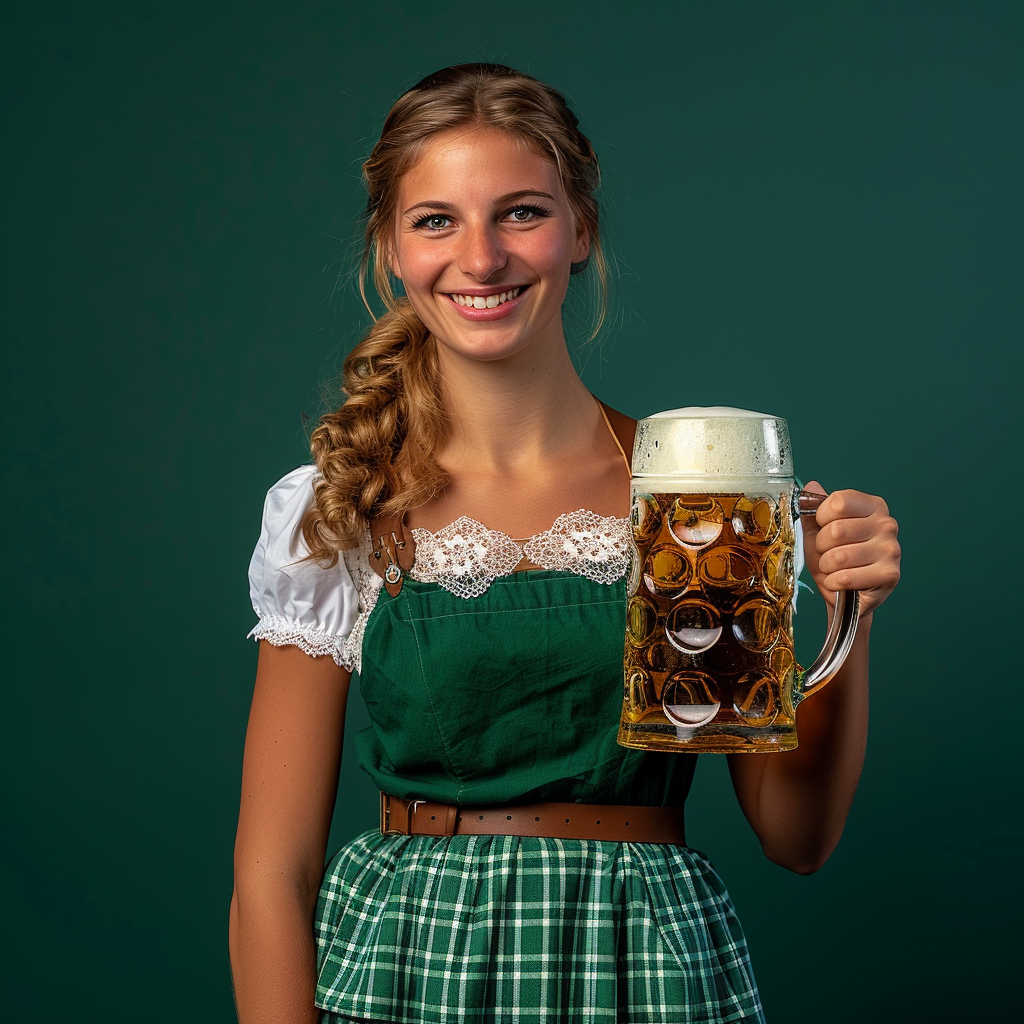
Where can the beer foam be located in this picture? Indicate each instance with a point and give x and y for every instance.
(684, 449)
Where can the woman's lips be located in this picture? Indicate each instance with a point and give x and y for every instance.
(503, 309)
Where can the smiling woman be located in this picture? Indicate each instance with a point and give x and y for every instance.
(496, 246)
(461, 546)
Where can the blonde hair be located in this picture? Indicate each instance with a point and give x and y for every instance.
(376, 453)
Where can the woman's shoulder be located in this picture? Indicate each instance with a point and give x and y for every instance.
(614, 414)
(292, 493)
(284, 508)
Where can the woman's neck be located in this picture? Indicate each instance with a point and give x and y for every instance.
(510, 414)
(527, 443)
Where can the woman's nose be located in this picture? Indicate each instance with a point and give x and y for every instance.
(482, 253)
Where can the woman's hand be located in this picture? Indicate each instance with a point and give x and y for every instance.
(851, 544)
(797, 802)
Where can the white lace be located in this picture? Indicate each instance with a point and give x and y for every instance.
(584, 543)
(310, 640)
(368, 584)
(466, 557)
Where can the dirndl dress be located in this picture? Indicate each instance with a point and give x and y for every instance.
(483, 688)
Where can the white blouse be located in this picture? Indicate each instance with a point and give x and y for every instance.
(325, 611)
(297, 600)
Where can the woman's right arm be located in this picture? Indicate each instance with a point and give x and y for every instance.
(289, 785)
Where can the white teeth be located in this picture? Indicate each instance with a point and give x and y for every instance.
(484, 301)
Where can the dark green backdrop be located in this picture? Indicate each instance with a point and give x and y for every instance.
(830, 187)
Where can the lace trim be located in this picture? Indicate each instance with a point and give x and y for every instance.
(584, 543)
(368, 585)
(280, 632)
(465, 558)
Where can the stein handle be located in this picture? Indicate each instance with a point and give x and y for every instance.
(843, 628)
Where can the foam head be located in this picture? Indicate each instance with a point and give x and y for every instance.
(714, 448)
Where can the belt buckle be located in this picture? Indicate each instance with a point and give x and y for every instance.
(389, 828)
(386, 827)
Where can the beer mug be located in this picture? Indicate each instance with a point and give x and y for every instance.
(709, 662)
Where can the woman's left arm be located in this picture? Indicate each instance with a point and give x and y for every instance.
(797, 802)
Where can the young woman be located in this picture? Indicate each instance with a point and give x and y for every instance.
(477, 495)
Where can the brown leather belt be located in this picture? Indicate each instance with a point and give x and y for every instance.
(611, 822)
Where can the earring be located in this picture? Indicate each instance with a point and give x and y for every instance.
(578, 268)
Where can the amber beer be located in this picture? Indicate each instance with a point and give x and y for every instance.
(709, 619)
(709, 631)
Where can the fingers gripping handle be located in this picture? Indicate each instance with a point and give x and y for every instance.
(842, 629)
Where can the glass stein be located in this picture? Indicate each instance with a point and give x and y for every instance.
(709, 662)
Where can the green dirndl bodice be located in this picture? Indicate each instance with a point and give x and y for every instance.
(515, 696)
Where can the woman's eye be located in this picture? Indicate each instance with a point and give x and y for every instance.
(433, 222)
(524, 214)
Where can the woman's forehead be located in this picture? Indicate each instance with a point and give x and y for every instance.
(473, 161)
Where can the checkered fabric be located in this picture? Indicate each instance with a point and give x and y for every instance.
(510, 928)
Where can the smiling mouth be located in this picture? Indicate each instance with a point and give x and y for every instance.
(486, 301)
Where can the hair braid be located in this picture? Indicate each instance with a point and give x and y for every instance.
(375, 453)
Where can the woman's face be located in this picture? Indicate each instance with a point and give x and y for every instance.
(484, 238)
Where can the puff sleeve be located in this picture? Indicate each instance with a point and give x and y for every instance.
(297, 600)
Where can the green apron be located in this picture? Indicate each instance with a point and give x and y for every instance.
(515, 696)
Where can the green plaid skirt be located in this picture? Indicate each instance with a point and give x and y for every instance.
(509, 928)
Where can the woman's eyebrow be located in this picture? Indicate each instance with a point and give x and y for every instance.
(440, 204)
(525, 192)
(434, 204)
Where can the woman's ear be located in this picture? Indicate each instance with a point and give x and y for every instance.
(390, 260)
(582, 250)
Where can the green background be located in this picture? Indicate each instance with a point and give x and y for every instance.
(815, 209)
